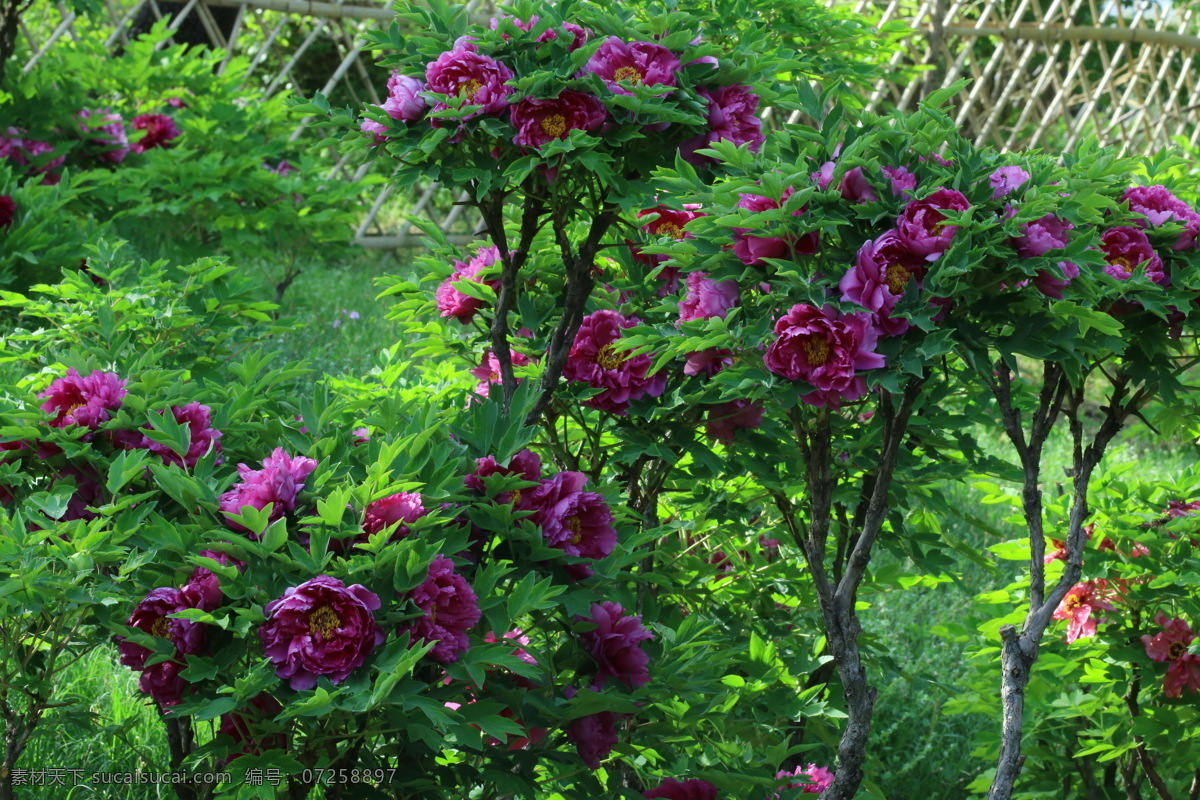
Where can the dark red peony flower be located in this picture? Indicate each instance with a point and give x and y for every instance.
(732, 116)
(671, 789)
(399, 508)
(725, 418)
(540, 121)
(160, 131)
(594, 736)
(204, 436)
(151, 616)
(577, 522)
(826, 349)
(752, 248)
(451, 609)
(8, 211)
(593, 360)
(616, 645)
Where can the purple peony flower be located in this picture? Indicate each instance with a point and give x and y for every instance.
(472, 77)
(635, 64)
(577, 522)
(881, 274)
(321, 627)
(203, 589)
(725, 418)
(151, 617)
(525, 465)
(1051, 285)
(163, 682)
(1125, 249)
(242, 727)
(111, 130)
(855, 187)
(1158, 205)
(824, 348)
(404, 102)
(89, 487)
(594, 361)
(616, 645)
(400, 508)
(1006, 180)
(707, 298)
(707, 362)
(160, 131)
(594, 736)
(671, 789)
(451, 609)
(198, 418)
(279, 482)
(922, 225)
(455, 304)
(752, 249)
(539, 122)
(904, 183)
(670, 222)
(733, 116)
(8, 211)
(85, 401)
(488, 371)
(1040, 236)
(819, 779)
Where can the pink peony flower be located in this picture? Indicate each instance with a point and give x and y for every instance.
(378, 133)
(1051, 285)
(1172, 645)
(8, 211)
(85, 401)
(594, 736)
(111, 130)
(455, 304)
(539, 122)
(752, 248)
(151, 617)
(1159, 206)
(825, 349)
(616, 645)
(474, 78)
(904, 183)
(707, 362)
(1006, 180)
(819, 779)
(282, 169)
(204, 437)
(671, 789)
(279, 482)
(1041, 236)
(404, 102)
(732, 116)
(242, 727)
(26, 152)
(881, 275)
(577, 522)
(451, 609)
(922, 225)
(579, 36)
(1079, 604)
(594, 361)
(488, 371)
(725, 418)
(160, 131)
(707, 298)
(399, 508)
(321, 627)
(635, 64)
(1126, 249)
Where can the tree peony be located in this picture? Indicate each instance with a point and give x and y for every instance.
(616, 645)
(451, 609)
(539, 122)
(824, 348)
(635, 64)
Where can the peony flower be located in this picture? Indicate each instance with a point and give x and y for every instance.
(488, 371)
(451, 609)
(1172, 645)
(752, 249)
(160, 131)
(824, 348)
(472, 77)
(111, 130)
(577, 522)
(579, 36)
(732, 116)
(203, 589)
(1158, 206)
(819, 779)
(922, 225)
(1041, 236)
(163, 682)
(204, 437)
(671, 789)
(635, 64)
(1126, 249)
(1078, 605)
(455, 304)
(725, 418)
(525, 465)
(321, 627)
(670, 222)
(400, 508)
(86, 400)
(707, 362)
(539, 122)
(616, 645)
(151, 617)
(594, 736)
(1006, 180)
(25, 152)
(241, 727)
(8, 211)
(881, 274)
(707, 298)
(282, 169)
(378, 133)
(1051, 285)
(593, 360)
(279, 482)
(89, 488)
(904, 183)
(404, 102)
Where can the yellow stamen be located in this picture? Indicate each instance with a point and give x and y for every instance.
(574, 526)
(555, 126)
(628, 74)
(609, 358)
(324, 621)
(896, 278)
(817, 350)
(468, 89)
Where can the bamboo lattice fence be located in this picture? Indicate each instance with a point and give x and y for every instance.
(1044, 73)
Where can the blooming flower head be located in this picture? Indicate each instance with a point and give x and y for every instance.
(204, 436)
(882, 272)
(577, 522)
(707, 362)
(472, 77)
(616, 645)
(594, 360)
(541, 121)
(669, 222)
(525, 464)
(1159, 206)
(826, 349)
(376, 130)
(671, 789)
(242, 727)
(725, 418)
(752, 248)
(160, 131)
(404, 102)
(83, 400)
(732, 116)
(594, 736)
(400, 508)
(922, 225)
(151, 617)
(1007, 180)
(455, 304)
(321, 627)
(1127, 248)
(819, 779)
(108, 131)
(279, 482)
(488, 371)
(203, 589)
(707, 298)
(903, 182)
(1172, 645)
(1080, 603)
(451, 609)
(620, 64)
(24, 152)
(163, 682)
(1051, 285)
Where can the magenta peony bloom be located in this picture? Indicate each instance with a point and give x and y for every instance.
(8, 211)
(752, 248)
(1159, 206)
(594, 361)
(922, 226)
(241, 727)
(733, 116)
(279, 482)
(85, 401)
(707, 298)
(824, 348)
(451, 609)
(1041, 236)
(455, 304)
(321, 627)
(151, 616)
(635, 64)
(577, 522)
(198, 418)
(707, 362)
(856, 188)
(1051, 285)
(594, 736)
(1172, 645)
(163, 682)
(904, 183)
(725, 418)
(160, 131)
(1078, 605)
(89, 487)
(25, 152)
(488, 371)
(1126, 249)
(671, 789)
(108, 133)
(400, 508)
(525, 464)
(616, 645)
(404, 102)
(540, 122)
(1006, 180)
(474, 78)
(282, 169)
(819, 779)
(670, 222)
(881, 275)
(203, 589)
(378, 133)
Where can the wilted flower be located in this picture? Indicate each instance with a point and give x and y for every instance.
(593, 360)
(85, 401)
(824, 348)
(540, 121)
(635, 64)
(1079, 604)
(160, 131)
(451, 609)
(472, 77)
(616, 645)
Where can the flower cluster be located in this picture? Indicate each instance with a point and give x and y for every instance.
(1080, 604)
(819, 779)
